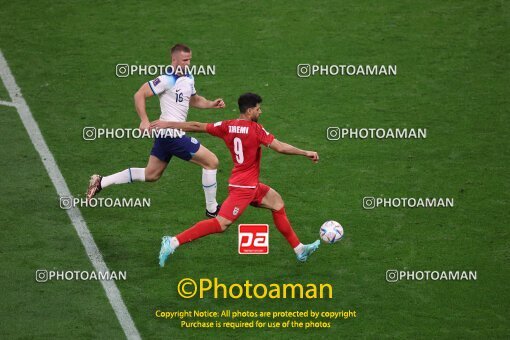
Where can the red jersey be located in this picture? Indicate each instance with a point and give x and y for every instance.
(243, 138)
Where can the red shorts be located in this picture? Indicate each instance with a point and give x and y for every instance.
(239, 198)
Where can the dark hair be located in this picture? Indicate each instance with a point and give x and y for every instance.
(248, 100)
(180, 48)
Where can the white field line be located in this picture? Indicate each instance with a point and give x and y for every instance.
(112, 292)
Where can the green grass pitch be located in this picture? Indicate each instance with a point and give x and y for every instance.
(453, 71)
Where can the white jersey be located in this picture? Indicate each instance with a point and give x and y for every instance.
(174, 94)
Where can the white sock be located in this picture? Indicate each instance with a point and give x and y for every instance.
(174, 243)
(127, 176)
(137, 174)
(209, 185)
(299, 249)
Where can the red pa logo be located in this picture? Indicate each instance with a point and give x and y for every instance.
(253, 239)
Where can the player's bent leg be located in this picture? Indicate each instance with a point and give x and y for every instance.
(200, 229)
(151, 173)
(224, 223)
(205, 158)
(209, 162)
(273, 201)
(130, 175)
(154, 169)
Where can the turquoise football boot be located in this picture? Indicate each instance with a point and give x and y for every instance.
(166, 250)
(308, 249)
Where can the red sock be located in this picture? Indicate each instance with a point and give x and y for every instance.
(282, 223)
(202, 228)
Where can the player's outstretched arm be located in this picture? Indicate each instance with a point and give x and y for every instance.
(200, 102)
(140, 96)
(184, 126)
(288, 149)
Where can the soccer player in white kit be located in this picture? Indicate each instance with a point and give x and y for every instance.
(176, 94)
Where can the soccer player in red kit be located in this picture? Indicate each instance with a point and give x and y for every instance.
(243, 137)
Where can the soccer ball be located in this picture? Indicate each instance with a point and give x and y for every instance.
(331, 232)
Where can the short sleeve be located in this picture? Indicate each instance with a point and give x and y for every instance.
(216, 129)
(158, 85)
(193, 91)
(263, 136)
